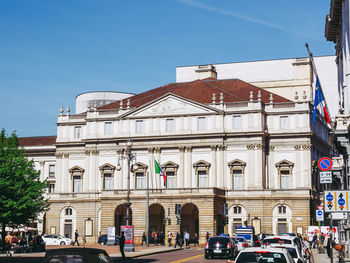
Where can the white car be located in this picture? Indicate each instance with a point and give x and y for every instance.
(267, 254)
(242, 243)
(293, 251)
(282, 240)
(56, 240)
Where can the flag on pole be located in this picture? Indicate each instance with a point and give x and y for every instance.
(160, 171)
(319, 103)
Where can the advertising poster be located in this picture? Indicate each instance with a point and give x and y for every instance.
(128, 233)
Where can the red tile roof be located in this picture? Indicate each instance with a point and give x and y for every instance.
(37, 141)
(234, 90)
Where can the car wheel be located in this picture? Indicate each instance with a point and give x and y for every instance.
(206, 256)
(62, 243)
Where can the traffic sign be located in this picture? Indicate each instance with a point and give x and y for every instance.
(326, 177)
(340, 216)
(325, 164)
(319, 215)
(337, 201)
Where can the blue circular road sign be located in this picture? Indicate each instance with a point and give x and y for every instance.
(325, 164)
(319, 212)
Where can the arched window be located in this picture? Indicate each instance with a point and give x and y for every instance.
(170, 169)
(282, 209)
(202, 171)
(285, 169)
(77, 177)
(237, 168)
(107, 173)
(68, 211)
(282, 219)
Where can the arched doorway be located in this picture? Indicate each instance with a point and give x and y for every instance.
(236, 216)
(68, 224)
(120, 213)
(189, 219)
(156, 217)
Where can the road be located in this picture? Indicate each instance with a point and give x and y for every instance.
(192, 255)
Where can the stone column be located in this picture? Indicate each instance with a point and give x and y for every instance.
(67, 181)
(272, 169)
(258, 165)
(220, 170)
(59, 173)
(249, 176)
(151, 167)
(188, 167)
(213, 174)
(94, 174)
(297, 172)
(118, 175)
(181, 172)
(42, 170)
(158, 178)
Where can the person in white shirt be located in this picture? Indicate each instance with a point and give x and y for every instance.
(170, 236)
(187, 238)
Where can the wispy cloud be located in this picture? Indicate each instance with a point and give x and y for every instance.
(246, 18)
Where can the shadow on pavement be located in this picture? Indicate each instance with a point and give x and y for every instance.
(21, 259)
(133, 260)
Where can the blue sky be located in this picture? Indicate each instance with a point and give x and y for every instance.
(51, 51)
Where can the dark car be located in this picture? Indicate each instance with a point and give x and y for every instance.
(221, 247)
(77, 255)
(103, 240)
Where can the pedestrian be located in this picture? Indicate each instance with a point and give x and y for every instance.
(207, 236)
(177, 240)
(187, 238)
(162, 238)
(155, 239)
(314, 241)
(76, 235)
(329, 246)
(8, 244)
(121, 244)
(144, 239)
(170, 236)
(322, 238)
(195, 239)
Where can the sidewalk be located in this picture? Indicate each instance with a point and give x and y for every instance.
(113, 251)
(323, 258)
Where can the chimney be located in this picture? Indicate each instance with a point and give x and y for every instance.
(206, 71)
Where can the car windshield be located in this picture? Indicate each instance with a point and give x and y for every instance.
(221, 240)
(66, 259)
(261, 257)
(277, 241)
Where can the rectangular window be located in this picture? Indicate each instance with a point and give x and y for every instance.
(108, 128)
(237, 179)
(284, 122)
(107, 181)
(237, 122)
(202, 179)
(285, 179)
(77, 132)
(52, 188)
(170, 125)
(52, 170)
(77, 184)
(170, 179)
(202, 124)
(140, 126)
(140, 181)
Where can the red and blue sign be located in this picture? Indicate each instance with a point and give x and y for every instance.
(325, 164)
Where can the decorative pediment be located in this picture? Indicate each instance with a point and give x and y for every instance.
(76, 171)
(237, 163)
(171, 104)
(201, 164)
(141, 167)
(284, 164)
(107, 167)
(170, 166)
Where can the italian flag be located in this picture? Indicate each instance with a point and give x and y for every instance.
(160, 171)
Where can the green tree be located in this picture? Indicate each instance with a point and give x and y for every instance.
(21, 191)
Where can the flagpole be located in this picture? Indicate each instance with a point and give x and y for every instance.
(315, 72)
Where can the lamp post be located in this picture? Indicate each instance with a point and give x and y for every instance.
(130, 157)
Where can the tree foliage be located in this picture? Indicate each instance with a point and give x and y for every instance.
(21, 191)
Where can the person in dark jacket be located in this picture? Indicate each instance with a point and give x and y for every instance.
(76, 235)
(177, 240)
(121, 244)
(144, 238)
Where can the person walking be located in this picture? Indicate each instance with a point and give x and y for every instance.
(195, 239)
(187, 238)
(144, 239)
(76, 235)
(207, 236)
(121, 244)
(314, 240)
(8, 244)
(170, 236)
(177, 240)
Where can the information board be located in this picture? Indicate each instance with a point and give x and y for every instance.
(326, 177)
(336, 201)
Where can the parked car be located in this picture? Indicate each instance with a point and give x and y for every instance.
(241, 242)
(57, 240)
(77, 254)
(268, 254)
(281, 240)
(103, 240)
(221, 247)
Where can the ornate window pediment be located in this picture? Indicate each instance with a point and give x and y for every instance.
(284, 164)
(201, 165)
(237, 164)
(170, 166)
(107, 168)
(76, 171)
(141, 167)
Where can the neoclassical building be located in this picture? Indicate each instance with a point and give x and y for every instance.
(218, 141)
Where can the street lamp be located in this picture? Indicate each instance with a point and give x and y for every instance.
(130, 157)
